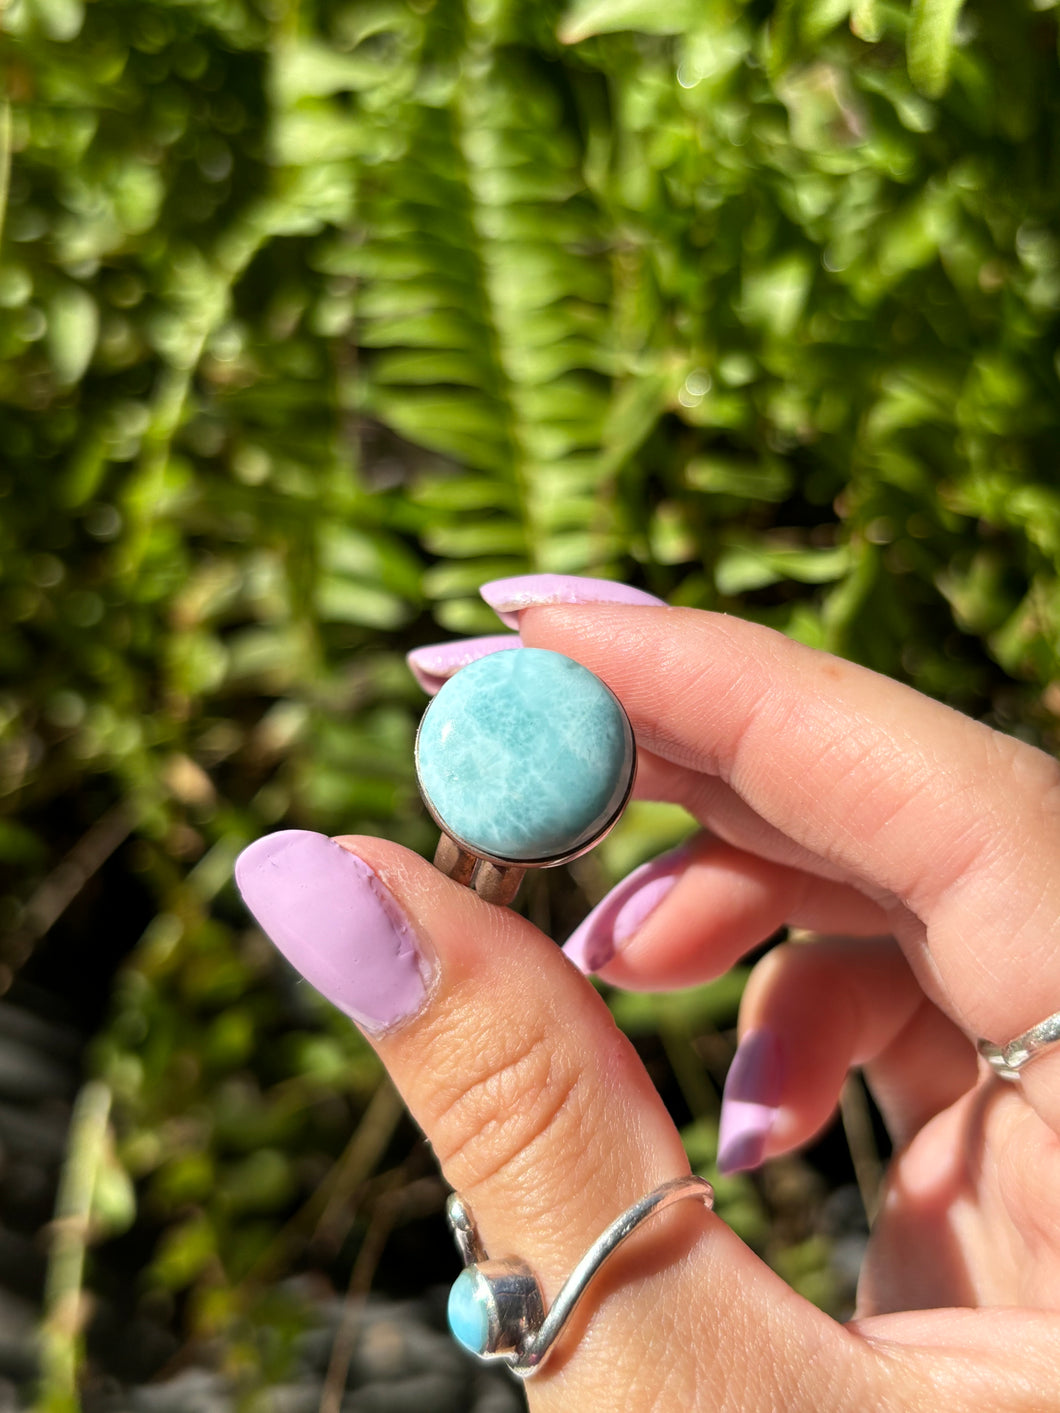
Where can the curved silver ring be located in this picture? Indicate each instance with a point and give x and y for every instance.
(496, 1308)
(1009, 1059)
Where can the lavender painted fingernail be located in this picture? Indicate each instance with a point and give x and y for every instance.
(432, 666)
(337, 924)
(508, 597)
(750, 1103)
(614, 920)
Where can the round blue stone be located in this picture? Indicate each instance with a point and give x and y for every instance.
(468, 1311)
(524, 755)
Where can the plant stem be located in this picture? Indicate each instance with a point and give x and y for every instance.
(64, 1307)
(5, 153)
(857, 1125)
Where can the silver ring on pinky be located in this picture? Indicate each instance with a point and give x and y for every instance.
(497, 1309)
(1008, 1060)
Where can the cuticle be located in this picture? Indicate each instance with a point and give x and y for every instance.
(428, 964)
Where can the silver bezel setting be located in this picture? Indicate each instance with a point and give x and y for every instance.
(521, 1331)
(515, 1307)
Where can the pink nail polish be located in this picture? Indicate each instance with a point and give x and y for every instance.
(750, 1103)
(432, 666)
(617, 917)
(338, 925)
(508, 597)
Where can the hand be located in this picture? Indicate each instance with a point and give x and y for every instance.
(832, 799)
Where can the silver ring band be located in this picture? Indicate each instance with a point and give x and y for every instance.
(496, 1308)
(1009, 1059)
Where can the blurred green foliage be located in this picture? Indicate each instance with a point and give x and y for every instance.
(315, 316)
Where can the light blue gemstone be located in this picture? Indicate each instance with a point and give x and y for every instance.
(468, 1311)
(524, 755)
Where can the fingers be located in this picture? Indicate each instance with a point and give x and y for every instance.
(688, 916)
(968, 1215)
(508, 597)
(953, 822)
(966, 1360)
(927, 1066)
(811, 1011)
(828, 1005)
(435, 664)
(718, 807)
(541, 1115)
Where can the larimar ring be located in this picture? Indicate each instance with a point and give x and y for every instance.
(1009, 1059)
(524, 759)
(496, 1308)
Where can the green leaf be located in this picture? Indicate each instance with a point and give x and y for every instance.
(929, 43)
(696, 1008)
(113, 1199)
(747, 566)
(184, 1251)
(306, 68)
(980, 592)
(865, 20)
(469, 618)
(483, 538)
(433, 366)
(262, 1182)
(61, 19)
(371, 556)
(775, 296)
(646, 829)
(463, 426)
(438, 328)
(73, 328)
(347, 601)
(588, 17)
(185, 1178)
(636, 407)
(766, 480)
(455, 580)
(818, 18)
(461, 494)
(306, 138)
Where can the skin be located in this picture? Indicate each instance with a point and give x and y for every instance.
(927, 849)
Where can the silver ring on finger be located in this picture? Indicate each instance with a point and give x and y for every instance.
(1008, 1060)
(497, 1309)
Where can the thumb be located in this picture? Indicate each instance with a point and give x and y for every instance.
(543, 1117)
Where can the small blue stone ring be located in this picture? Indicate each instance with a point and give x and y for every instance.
(525, 759)
(496, 1308)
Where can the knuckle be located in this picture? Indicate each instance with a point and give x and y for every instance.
(492, 1111)
(1039, 775)
(1027, 804)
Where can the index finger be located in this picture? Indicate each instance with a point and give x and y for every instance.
(953, 821)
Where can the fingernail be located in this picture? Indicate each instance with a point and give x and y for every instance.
(432, 666)
(508, 597)
(615, 919)
(750, 1103)
(337, 924)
